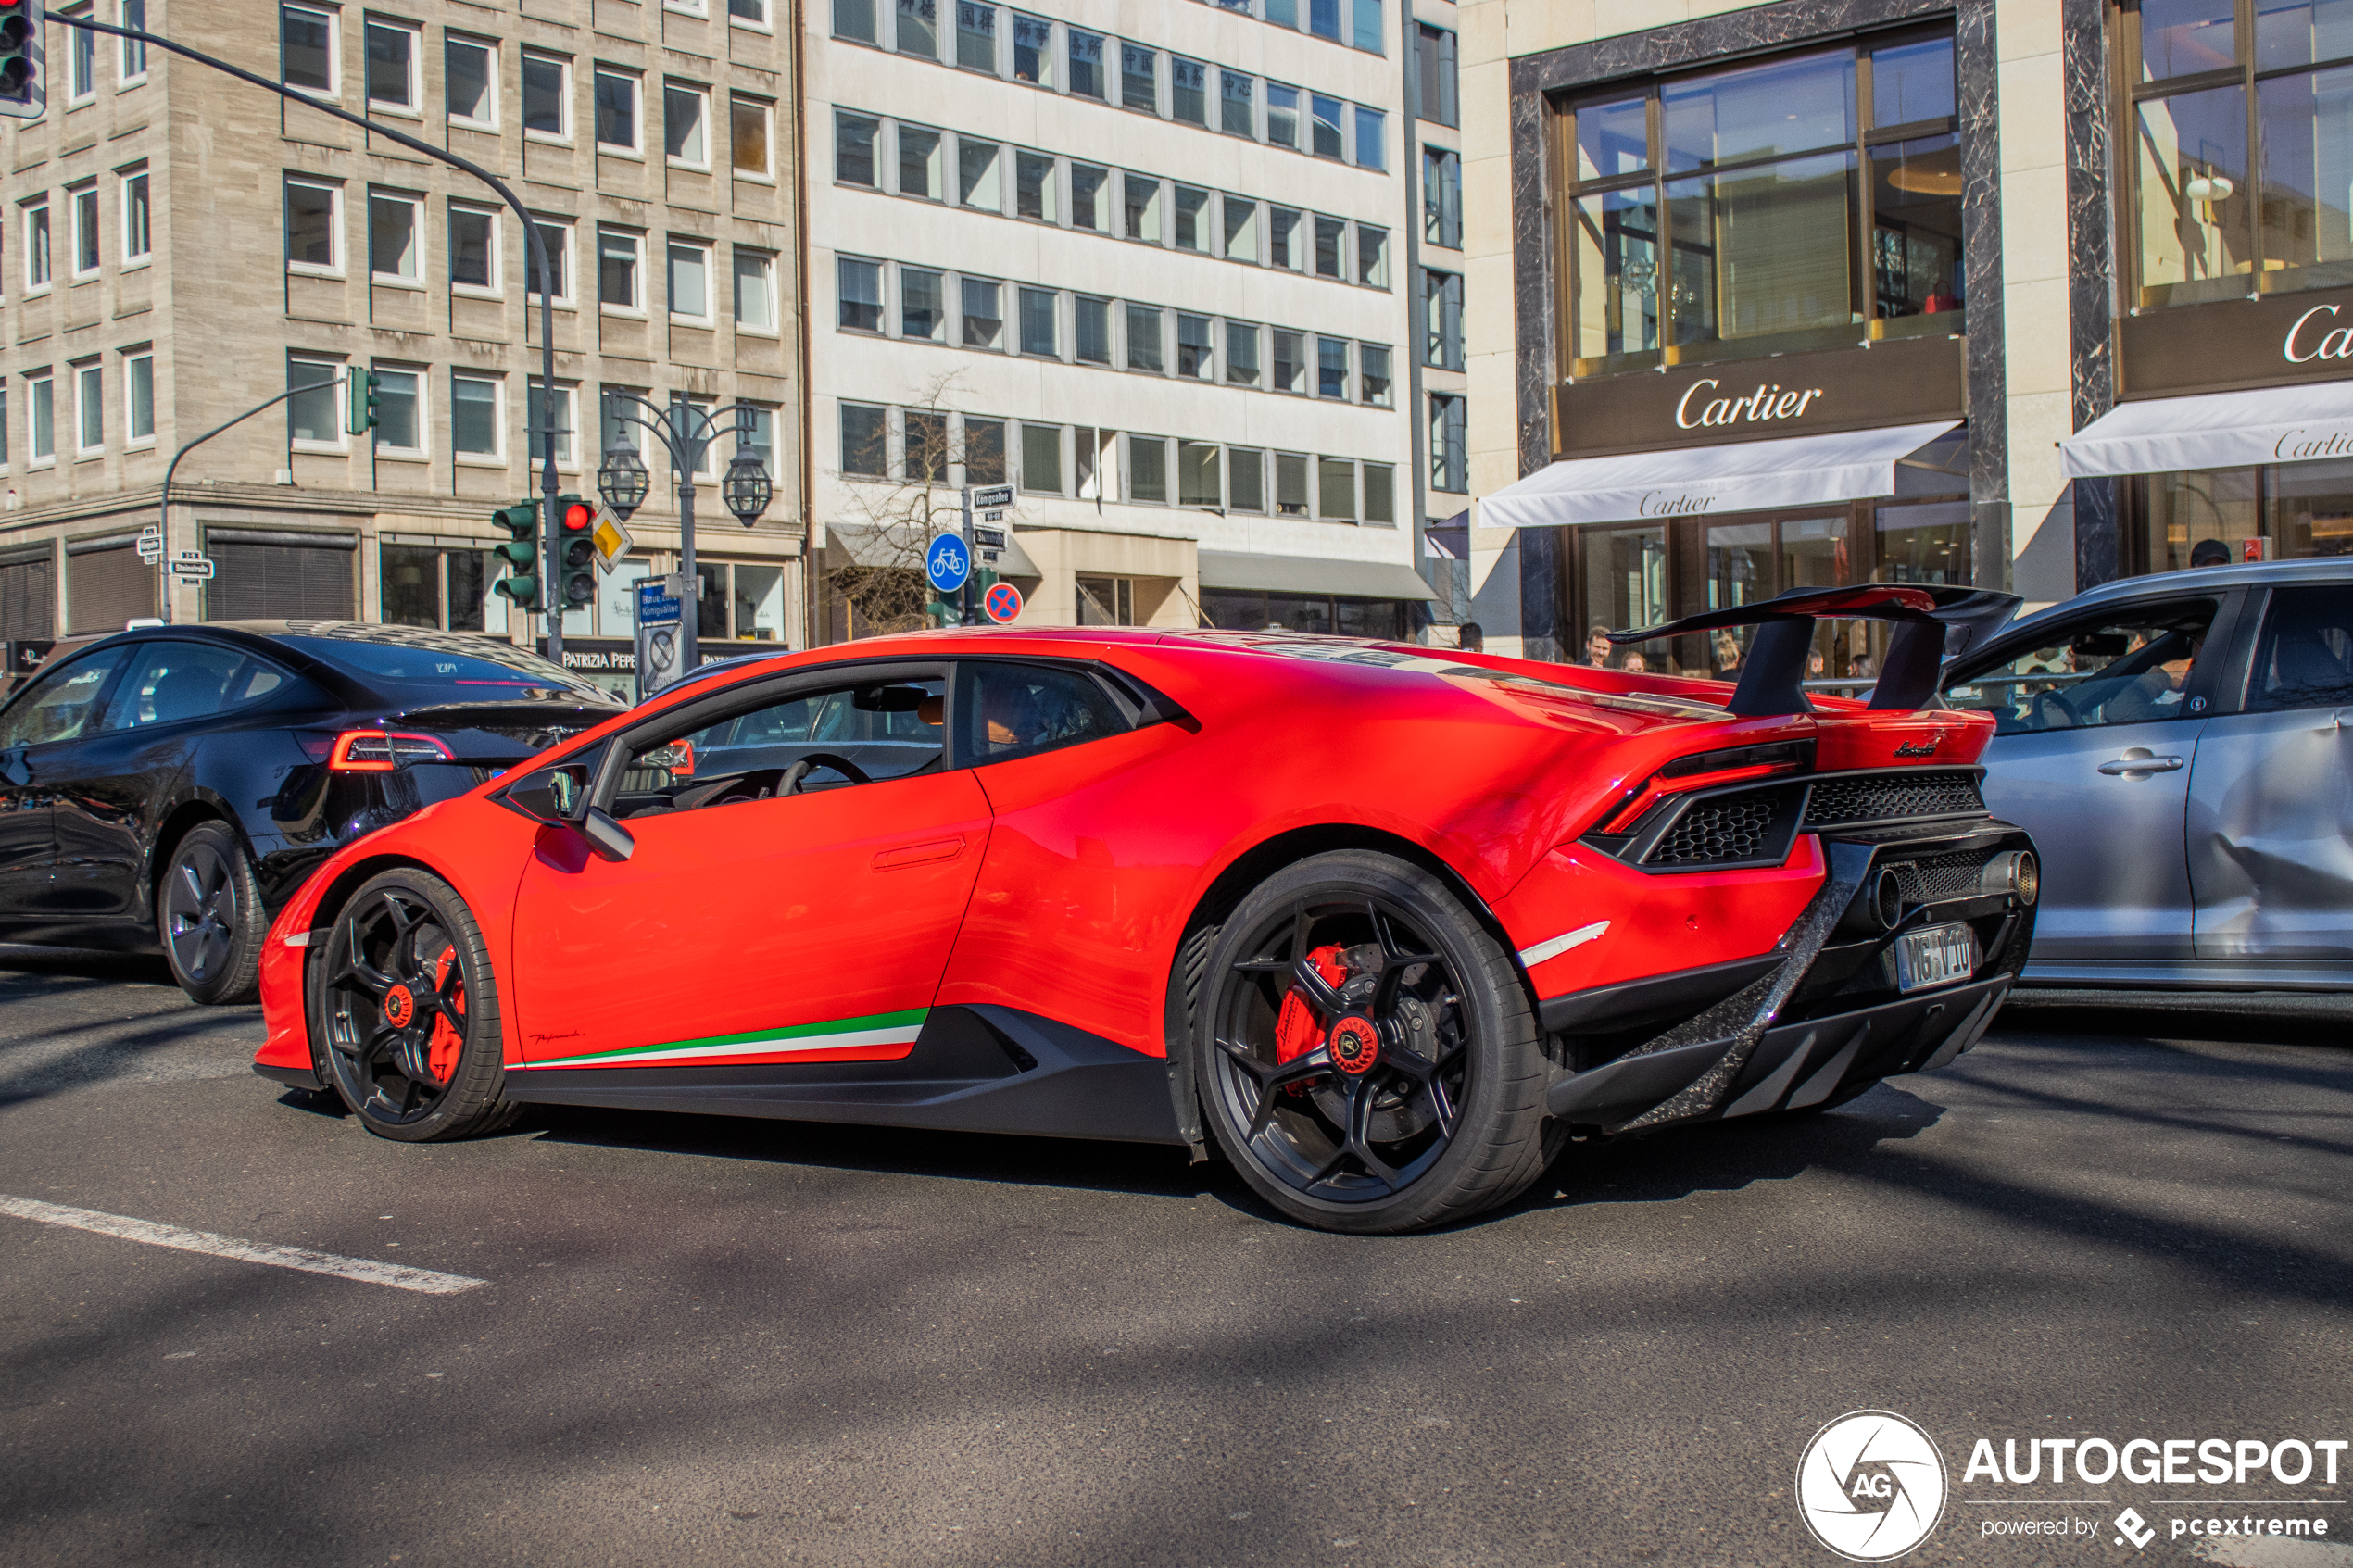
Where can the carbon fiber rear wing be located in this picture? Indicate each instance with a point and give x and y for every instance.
(1930, 622)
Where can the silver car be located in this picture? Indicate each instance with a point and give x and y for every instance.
(2177, 745)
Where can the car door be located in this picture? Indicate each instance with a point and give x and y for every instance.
(2270, 795)
(2097, 718)
(107, 784)
(44, 723)
(753, 922)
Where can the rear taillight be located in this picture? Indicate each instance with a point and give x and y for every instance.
(1706, 769)
(380, 751)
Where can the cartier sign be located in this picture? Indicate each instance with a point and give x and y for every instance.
(2237, 343)
(1903, 382)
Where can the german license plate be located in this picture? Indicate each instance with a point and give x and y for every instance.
(1938, 955)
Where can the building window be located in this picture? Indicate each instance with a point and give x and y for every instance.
(1372, 139)
(1090, 331)
(1323, 18)
(1372, 257)
(474, 424)
(1442, 320)
(755, 291)
(617, 423)
(616, 95)
(1336, 489)
(1291, 485)
(1242, 354)
(689, 282)
(1106, 602)
(1449, 462)
(854, 136)
(547, 96)
(1285, 238)
(976, 36)
(307, 49)
(1236, 110)
(89, 409)
(1042, 458)
(977, 181)
(435, 589)
(555, 238)
(1139, 78)
(1282, 116)
(85, 208)
(1372, 368)
(919, 162)
(749, 13)
(36, 246)
(1033, 185)
(1143, 338)
(862, 436)
(138, 238)
(1191, 230)
(1369, 27)
(919, 28)
(922, 313)
(139, 398)
(1329, 132)
(1037, 321)
(567, 398)
(1668, 199)
(1380, 493)
(924, 452)
(314, 414)
(1331, 238)
(686, 125)
(41, 418)
(132, 66)
(1188, 91)
(1091, 197)
(1245, 479)
(470, 81)
(395, 241)
(392, 67)
(314, 239)
(1241, 229)
(1199, 481)
(1196, 350)
(1290, 361)
(748, 122)
(1148, 468)
(400, 421)
(1443, 197)
(854, 19)
(620, 259)
(984, 314)
(1087, 64)
(861, 294)
(1434, 74)
(1331, 366)
(1140, 208)
(984, 451)
(1034, 51)
(473, 248)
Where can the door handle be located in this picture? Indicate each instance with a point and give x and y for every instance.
(920, 854)
(2141, 766)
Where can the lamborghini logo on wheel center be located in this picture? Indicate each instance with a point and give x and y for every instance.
(399, 1007)
(1355, 1045)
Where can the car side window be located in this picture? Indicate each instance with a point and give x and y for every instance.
(170, 680)
(61, 704)
(2305, 657)
(2127, 669)
(1021, 709)
(837, 738)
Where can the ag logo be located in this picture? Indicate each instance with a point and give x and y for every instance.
(1871, 1486)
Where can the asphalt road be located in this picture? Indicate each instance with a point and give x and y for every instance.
(710, 1341)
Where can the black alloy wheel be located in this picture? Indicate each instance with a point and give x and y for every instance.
(1367, 1056)
(208, 916)
(408, 1010)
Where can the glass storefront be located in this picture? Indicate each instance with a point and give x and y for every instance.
(2285, 512)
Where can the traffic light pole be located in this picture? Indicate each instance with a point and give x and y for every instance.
(163, 504)
(538, 247)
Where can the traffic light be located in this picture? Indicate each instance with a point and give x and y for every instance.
(576, 548)
(23, 84)
(521, 553)
(363, 396)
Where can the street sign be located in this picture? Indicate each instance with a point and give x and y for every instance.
(661, 628)
(1002, 603)
(948, 563)
(989, 538)
(151, 543)
(992, 495)
(610, 536)
(192, 566)
(657, 601)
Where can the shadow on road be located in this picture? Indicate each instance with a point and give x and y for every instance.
(83, 963)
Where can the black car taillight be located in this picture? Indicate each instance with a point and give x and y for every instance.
(382, 751)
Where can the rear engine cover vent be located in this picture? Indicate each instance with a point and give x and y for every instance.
(1730, 828)
(1893, 797)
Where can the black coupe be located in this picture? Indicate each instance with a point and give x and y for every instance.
(172, 787)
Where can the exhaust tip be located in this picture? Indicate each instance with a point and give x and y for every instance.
(1887, 898)
(2013, 874)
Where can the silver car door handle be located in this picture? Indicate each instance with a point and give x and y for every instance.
(2129, 765)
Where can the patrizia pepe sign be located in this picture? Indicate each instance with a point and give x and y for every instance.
(1900, 382)
(2236, 344)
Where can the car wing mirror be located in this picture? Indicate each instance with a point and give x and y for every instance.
(606, 837)
(554, 794)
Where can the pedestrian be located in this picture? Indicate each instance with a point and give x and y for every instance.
(2210, 552)
(1728, 658)
(1635, 665)
(1598, 647)
(1474, 640)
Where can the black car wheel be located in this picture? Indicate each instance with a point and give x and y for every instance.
(208, 916)
(408, 1009)
(1367, 1056)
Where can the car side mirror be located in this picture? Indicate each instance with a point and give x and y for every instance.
(607, 838)
(554, 794)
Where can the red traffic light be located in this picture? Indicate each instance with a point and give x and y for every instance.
(577, 517)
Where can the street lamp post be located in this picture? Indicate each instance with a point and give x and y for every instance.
(686, 432)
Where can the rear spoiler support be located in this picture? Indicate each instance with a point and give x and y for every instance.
(1930, 623)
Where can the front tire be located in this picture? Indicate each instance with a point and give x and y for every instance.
(407, 1005)
(1368, 1058)
(209, 919)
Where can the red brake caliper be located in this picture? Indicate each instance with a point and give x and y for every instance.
(1296, 1031)
(447, 1041)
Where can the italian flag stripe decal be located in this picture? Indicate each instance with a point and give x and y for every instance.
(876, 1029)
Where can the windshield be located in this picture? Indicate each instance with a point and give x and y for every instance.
(471, 669)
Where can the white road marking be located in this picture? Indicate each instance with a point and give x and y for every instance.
(1531, 957)
(361, 1269)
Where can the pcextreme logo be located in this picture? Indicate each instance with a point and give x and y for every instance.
(1871, 1486)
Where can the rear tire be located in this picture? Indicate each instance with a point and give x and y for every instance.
(407, 1008)
(1408, 1093)
(209, 919)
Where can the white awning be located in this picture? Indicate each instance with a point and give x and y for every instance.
(2214, 430)
(1744, 476)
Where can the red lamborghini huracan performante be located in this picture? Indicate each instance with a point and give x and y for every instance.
(1386, 927)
